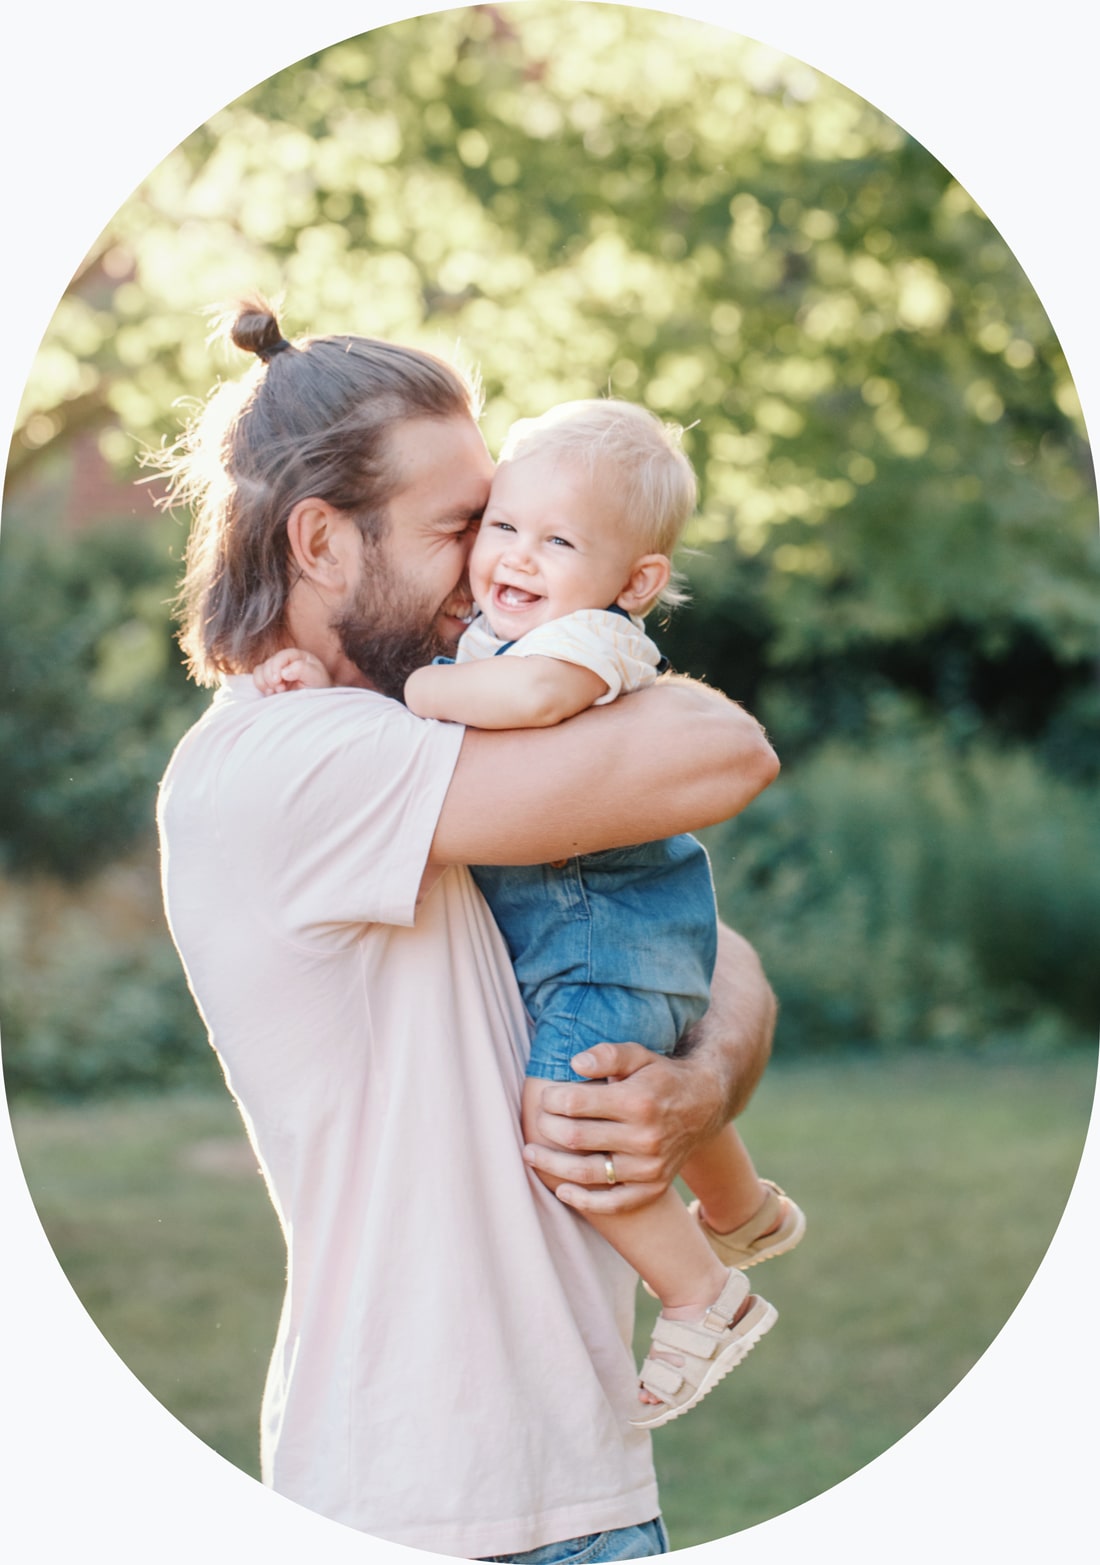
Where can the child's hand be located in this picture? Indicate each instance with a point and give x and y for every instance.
(290, 669)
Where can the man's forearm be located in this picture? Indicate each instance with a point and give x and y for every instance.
(733, 1040)
(673, 758)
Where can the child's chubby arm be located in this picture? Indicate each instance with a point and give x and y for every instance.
(503, 692)
(290, 669)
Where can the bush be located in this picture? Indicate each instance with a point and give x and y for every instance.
(910, 892)
(94, 697)
(91, 1002)
(899, 894)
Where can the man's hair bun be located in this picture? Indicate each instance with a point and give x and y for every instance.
(255, 329)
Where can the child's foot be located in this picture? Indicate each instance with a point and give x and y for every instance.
(689, 1357)
(776, 1226)
(692, 1314)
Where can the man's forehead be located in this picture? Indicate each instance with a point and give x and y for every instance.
(444, 461)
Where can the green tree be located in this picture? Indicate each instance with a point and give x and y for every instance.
(896, 485)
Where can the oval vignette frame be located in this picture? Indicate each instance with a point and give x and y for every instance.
(970, 1417)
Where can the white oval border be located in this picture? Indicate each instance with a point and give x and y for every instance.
(1005, 1466)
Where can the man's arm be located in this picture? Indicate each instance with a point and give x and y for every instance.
(668, 759)
(503, 692)
(653, 1113)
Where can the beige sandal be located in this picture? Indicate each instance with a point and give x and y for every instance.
(709, 1349)
(752, 1242)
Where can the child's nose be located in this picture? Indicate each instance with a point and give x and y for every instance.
(518, 555)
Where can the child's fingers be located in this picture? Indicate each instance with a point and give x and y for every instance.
(279, 672)
(270, 680)
(289, 669)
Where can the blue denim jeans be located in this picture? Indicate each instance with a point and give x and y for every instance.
(613, 946)
(621, 1543)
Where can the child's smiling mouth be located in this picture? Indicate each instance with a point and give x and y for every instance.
(506, 596)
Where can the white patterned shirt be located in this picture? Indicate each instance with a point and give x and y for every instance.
(613, 645)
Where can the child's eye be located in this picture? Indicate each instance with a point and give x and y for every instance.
(503, 527)
(563, 541)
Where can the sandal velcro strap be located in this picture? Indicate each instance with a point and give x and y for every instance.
(685, 1336)
(776, 1226)
(734, 1293)
(766, 1216)
(662, 1379)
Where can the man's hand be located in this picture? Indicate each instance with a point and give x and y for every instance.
(649, 1113)
(646, 1112)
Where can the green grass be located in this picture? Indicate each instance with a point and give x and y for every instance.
(161, 1222)
(932, 1187)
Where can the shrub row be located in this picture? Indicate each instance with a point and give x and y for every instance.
(900, 895)
(910, 892)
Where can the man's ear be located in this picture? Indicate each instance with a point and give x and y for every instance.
(319, 537)
(649, 577)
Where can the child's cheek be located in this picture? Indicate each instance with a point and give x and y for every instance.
(480, 564)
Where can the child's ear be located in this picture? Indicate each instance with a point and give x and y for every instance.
(649, 577)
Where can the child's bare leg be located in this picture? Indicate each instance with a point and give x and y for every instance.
(662, 1241)
(722, 1175)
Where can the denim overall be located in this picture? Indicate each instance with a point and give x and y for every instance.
(611, 947)
(615, 947)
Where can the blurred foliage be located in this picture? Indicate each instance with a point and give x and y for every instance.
(896, 553)
(901, 892)
(89, 1009)
(588, 198)
(93, 697)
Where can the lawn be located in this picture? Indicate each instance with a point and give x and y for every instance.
(932, 1187)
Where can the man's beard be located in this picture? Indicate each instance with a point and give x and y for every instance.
(388, 631)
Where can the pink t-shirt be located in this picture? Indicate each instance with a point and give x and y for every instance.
(452, 1369)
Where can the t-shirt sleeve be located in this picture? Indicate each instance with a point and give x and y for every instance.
(330, 803)
(611, 645)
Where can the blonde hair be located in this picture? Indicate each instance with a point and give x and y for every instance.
(655, 485)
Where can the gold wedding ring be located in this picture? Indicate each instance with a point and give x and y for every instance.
(609, 1168)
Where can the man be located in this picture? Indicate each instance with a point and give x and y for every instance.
(452, 1369)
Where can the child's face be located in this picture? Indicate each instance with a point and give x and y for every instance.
(550, 543)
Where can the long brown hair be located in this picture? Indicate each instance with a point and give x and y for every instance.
(311, 418)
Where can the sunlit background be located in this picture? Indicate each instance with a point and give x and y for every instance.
(894, 565)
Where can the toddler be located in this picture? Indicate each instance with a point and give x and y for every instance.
(574, 549)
